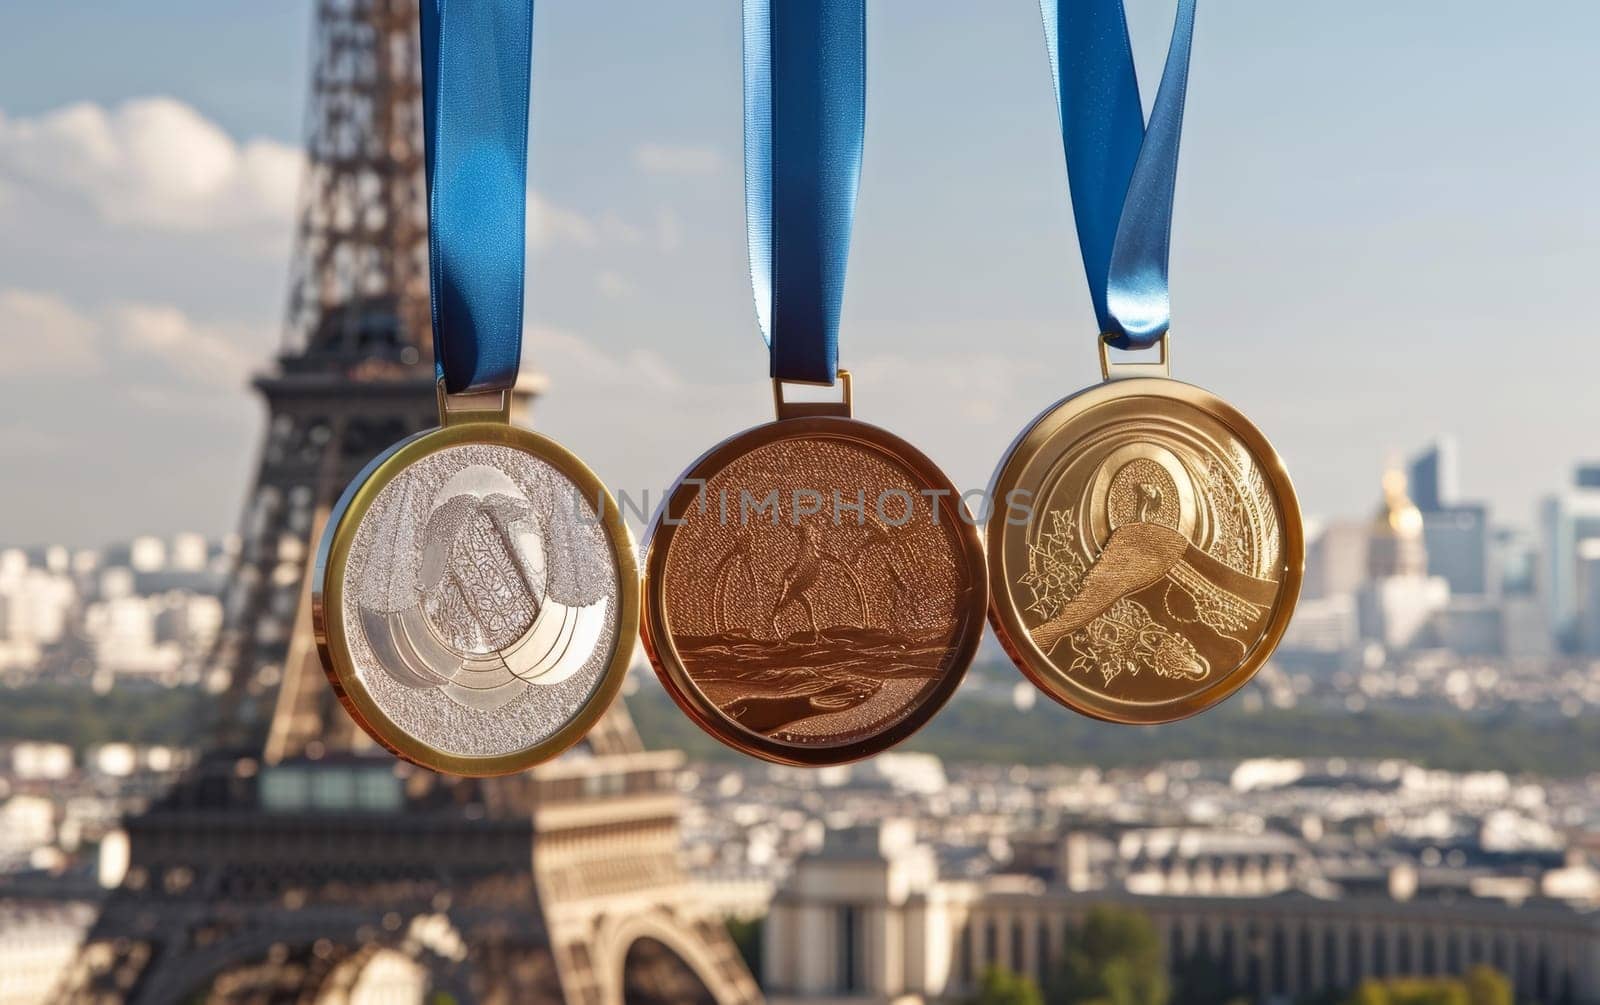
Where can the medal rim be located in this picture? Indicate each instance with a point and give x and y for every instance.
(1007, 620)
(327, 597)
(668, 664)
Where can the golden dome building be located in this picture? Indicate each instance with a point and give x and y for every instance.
(1396, 547)
(1398, 602)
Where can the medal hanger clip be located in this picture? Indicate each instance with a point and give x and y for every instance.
(1110, 370)
(473, 406)
(807, 409)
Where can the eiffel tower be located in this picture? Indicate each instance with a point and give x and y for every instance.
(297, 862)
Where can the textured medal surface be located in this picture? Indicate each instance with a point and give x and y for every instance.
(475, 606)
(813, 602)
(1151, 553)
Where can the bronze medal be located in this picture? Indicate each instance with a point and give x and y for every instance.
(814, 589)
(1145, 550)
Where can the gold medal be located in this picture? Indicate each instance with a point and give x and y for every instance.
(476, 595)
(814, 588)
(1145, 548)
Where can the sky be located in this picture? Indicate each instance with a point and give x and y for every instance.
(1386, 230)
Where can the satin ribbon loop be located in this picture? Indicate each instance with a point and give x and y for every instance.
(1121, 173)
(475, 70)
(804, 126)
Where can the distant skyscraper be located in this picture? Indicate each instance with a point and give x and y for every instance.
(1523, 633)
(1325, 625)
(1336, 561)
(1587, 629)
(1456, 534)
(1515, 561)
(1566, 522)
(1457, 539)
(1435, 476)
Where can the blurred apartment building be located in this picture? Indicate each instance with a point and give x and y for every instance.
(146, 610)
(1570, 578)
(61, 846)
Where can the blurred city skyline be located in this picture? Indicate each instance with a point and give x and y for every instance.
(1359, 262)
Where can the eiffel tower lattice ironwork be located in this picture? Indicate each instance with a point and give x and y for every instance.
(297, 862)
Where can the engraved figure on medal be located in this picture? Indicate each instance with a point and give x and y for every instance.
(812, 601)
(1156, 567)
(480, 600)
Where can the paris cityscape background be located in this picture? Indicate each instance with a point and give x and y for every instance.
(1372, 236)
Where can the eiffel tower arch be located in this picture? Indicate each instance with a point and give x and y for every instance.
(297, 862)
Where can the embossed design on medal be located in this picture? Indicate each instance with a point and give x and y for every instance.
(474, 608)
(1160, 557)
(813, 594)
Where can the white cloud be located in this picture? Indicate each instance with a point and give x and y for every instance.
(573, 359)
(669, 230)
(970, 384)
(186, 400)
(616, 230)
(23, 441)
(967, 385)
(204, 353)
(660, 159)
(549, 224)
(152, 162)
(42, 334)
(614, 285)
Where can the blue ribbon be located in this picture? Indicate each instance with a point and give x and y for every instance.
(475, 67)
(1120, 172)
(805, 102)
